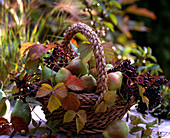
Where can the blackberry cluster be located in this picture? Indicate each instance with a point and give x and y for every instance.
(131, 82)
(59, 58)
(25, 87)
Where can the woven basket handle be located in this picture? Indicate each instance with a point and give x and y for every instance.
(98, 54)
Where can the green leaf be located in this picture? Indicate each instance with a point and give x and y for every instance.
(86, 52)
(142, 68)
(82, 115)
(108, 52)
(33, 131)
(34, 123)
(31, 66)
(15, 90)
(44, 90)
(113, 18)
(136, 52)
(147, 132)
(79, 124)
(138, 120)
(42, 129)
(53, 103)
(101, 3)
(110, 25)
(136, 129)
(151, 124)
(137, 135)
(101, 108)
(109, 98)
(117, 4)
(32, 101)
(69, 116)
(23, 73)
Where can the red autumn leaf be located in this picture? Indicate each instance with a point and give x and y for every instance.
(108, 52)
(75, 84)
(51, 45)
(71, 102)
(5, 128)
(74, 42)
(19, 124)
(140, 11)
(44, 90)
(36, 51)
(61, 90)
(25, 47)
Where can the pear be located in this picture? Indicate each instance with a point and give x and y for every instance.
(6, 106)
(109, 66)
(93, 72)
(116, 129)
(90, 82)
(77, 67)
(46, 74)
(62, 75)
(114, 80)
(22, 110)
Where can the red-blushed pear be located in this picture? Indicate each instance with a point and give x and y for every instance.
(77, 67)
(6, 106)
(116, 129)
(62, 75)
(93, 72)
(114, 80)
(90, 82)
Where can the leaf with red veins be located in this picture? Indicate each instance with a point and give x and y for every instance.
(75, 84)
(61, 90)
(44, 90)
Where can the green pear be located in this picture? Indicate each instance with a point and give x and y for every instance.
(77, 67)
(90, 82)
(46, 74)
(22, 110)
(62, 75)
(114, 80)
(116, 129)
(6, 106)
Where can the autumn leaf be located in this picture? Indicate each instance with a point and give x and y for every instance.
(74, 42)
(25, 47)
(145, 100)
(2, 103)
(31, 66)
(36, 51)
(15, 90)
(79, 125)
(108, 52)
(141, 90)
(86, 52)
(53, 103)
(69, 116)
(71, 102)
(138, 120)
(101, 108)
(44, 90)
(136, 129)
(22, 74)
(109, 98)
(82, 115)
(75, 84)
(61, 90)
(147, 132)
(19, 124)
(140, 11)
(5, 128)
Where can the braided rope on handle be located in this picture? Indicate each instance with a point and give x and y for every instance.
(92, 37)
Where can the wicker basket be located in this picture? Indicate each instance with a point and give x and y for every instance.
(96, 122)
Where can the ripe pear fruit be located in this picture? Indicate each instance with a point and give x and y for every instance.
(46, 74)
(22, 110)
(6, 106)
(77, 67)
(114, 80)
(90, 82)
(116, 129)
(62, 75)
(93, 72)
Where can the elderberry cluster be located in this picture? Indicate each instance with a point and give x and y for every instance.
(131, 82)
(59, 58)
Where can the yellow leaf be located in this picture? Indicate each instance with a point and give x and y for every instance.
(145, 100)
(141, 90)
(25, 47)
(61, 90)
(69, 116)
(82, 114)
(44, 90)
(53, 103)
(135, 121)
(101, 108)
(79, 125)
(109, 98)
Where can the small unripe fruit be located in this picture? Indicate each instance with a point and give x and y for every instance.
(114, 80)
(45, 135)
(62, 75)
(90, 82)
(23, 132)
